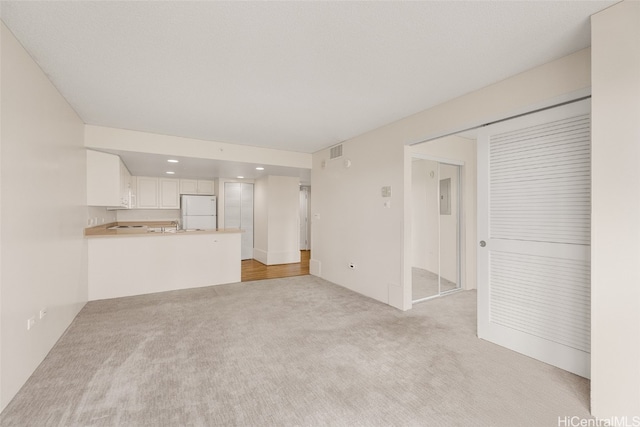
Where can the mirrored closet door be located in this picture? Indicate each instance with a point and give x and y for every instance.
(435, 228)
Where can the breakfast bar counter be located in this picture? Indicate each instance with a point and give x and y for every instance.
(147, 228)
(157, 258)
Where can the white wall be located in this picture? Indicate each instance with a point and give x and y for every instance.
(147, 215)
(43, 214)
(615, 221)
(276, 220)
(462, 150)
(350, 223)
(100, 215)
(260, 219)
(284, 220)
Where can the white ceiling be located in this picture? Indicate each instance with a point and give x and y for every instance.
(297, 76)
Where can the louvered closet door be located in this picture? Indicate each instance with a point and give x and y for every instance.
(534, 206)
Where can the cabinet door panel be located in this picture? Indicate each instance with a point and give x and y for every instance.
(205, 187)
(169, 194)
(103, 179)
(188, 186)
(147, 192)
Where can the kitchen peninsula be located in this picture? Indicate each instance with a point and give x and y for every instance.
(148, 257)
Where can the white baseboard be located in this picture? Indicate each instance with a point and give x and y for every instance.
(260, 255)
(273, 258)
(283, 257)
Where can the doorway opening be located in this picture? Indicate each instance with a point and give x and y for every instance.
(436, 235)
(255, 270)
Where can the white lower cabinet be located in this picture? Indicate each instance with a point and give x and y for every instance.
(159, 263)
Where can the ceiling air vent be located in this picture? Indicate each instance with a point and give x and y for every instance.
(335, 152)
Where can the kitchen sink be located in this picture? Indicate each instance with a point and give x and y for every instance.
(127, 227)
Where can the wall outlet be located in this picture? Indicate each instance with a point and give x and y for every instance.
(30, 322)
(352, 266)
(43, 312)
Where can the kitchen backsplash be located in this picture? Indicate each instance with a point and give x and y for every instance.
(148, 215)
(98, 215)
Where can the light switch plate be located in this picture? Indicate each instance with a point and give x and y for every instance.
(386, 191)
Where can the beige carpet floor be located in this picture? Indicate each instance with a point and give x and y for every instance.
(284, 352)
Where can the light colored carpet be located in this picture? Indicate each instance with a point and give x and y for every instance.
(425, 284)
(283, 352)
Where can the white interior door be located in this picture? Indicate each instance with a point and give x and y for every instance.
(304, 219)
(232, 204)
(534, 207)
(238, 213)
(246, 220)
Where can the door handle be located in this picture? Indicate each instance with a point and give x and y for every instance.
(483, 243)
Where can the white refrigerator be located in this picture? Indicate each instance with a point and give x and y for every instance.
(198, 212)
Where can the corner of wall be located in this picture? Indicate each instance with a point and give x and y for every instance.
(43, 184)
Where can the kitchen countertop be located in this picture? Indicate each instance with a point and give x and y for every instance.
(149, 228)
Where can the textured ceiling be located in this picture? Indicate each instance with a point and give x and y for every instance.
(296, 76)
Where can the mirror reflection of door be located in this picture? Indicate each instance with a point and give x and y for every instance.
(449, 226)
(435, 228)
(425, 235)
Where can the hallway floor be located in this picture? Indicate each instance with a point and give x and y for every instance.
(255, 270)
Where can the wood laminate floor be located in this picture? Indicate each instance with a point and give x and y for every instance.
(255, 270)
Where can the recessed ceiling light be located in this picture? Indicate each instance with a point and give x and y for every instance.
(173, 161)
(169, 172)
(240, 177)
(259, 168)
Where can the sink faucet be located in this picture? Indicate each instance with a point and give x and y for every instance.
(176, 223)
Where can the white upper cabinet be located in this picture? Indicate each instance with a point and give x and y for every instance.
(196, 186)
(157, 193)
(188, 186)
(125, 186)
(169, 194)
(205, 187)
(108, 180)
(146, 192)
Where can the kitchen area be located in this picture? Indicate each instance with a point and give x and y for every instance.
(149, 234)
